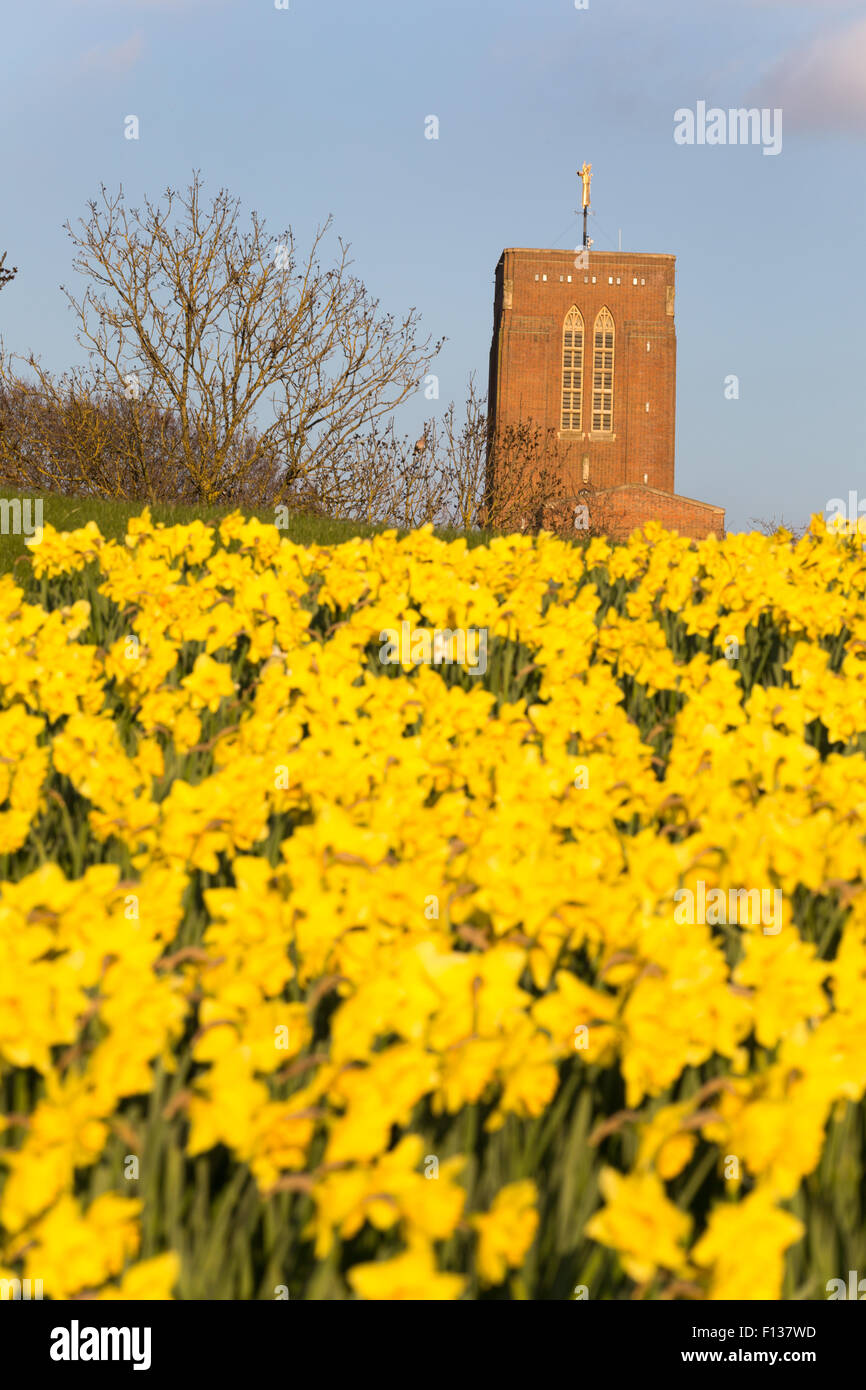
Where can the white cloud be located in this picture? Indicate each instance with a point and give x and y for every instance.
(822, 84)
(112, 58)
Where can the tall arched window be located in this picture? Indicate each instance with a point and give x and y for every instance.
(602, 374)
(572, 370)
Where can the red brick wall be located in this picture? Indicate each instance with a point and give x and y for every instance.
(526, 357)
(626, 508)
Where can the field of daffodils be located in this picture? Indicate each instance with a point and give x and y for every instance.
(326, 976)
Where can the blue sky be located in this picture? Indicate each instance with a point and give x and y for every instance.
(321, 109)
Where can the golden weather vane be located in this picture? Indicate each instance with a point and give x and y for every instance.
(586, 177)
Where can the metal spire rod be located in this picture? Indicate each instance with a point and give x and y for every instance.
(585, 175)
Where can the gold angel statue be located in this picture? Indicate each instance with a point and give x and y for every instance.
(586, 176)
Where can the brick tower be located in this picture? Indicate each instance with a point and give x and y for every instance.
(585, 345)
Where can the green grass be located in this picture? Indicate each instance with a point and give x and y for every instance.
(111, 516)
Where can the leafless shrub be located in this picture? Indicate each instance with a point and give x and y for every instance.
(74, 434)
(769, 527)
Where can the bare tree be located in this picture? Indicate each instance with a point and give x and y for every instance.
(419, 481)
(515, 481)
(65, 435)
(519, 480)
(455, 475)
(352, 483)
(586, 514)
(74, 434)
(6, 275)
(770, 527)
(381, 477)
(465, 465)
(222, 326)
(526, 477)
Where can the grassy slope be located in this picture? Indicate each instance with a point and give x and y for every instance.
(70, 513)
